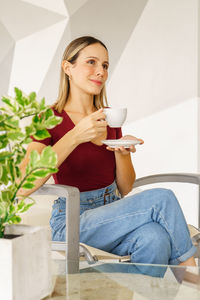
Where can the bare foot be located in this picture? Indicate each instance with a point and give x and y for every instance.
(189, 262)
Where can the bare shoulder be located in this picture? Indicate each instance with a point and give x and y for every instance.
(35, 146)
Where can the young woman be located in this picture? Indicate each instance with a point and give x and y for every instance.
(148, 226)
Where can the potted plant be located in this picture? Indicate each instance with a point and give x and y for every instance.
(24, 250)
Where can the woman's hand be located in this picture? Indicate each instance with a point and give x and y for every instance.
(90, 127)
(125, 151)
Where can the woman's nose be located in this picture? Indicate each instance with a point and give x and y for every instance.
(100, 71)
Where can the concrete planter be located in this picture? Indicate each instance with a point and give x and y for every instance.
(25, 272)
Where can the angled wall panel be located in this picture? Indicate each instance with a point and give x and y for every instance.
(24, 19)
(7, 42)
(33, 55)
(113, 26)
(158, 67)
(57, 6)
(49, 85)
(6, 68)
(73, 6)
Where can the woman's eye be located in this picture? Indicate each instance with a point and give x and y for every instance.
(91, 61)
(105, 67)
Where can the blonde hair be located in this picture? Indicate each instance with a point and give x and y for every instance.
(70, 54)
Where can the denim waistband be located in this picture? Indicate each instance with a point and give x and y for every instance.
(94, 193)
(99, 192)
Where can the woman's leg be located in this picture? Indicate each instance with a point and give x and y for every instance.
(189, 262)
(149, 243)
(88, 201)
(106, 227)
(58, 220)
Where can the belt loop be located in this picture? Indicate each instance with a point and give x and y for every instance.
(106, 194)
(118, 193)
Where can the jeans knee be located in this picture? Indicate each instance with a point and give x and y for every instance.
(155, 236)
(167, 199)
(153, 245)
(165, 194)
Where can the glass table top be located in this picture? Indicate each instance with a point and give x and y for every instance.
(127, 281)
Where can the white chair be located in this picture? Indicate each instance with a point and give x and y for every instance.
(72, 247)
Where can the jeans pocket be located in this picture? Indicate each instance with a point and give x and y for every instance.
(58, 213)
(62, 208)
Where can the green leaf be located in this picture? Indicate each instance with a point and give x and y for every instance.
(7, 101)
(5, 155)
(41, 134)
(30, 130)
(52, 122)
(20, 205)
(3, 208)
(35, 119)
(4, 178)
(19, 97)
(53, 170)
(41, 121)
(12, 121)
(32, 96)
(26, 207)
(15, 136)
(1, 170)
(5, 196)
(31, 178)
(11, 209)
(42, 104)
(28, 185)
(19, 158)
(48, 157)
(27, 140)
(15, 220)
(17, 171)
(34, 158)
(48, 113)
(18, 92)
(3, 142)
(12, 170)
(41, 173)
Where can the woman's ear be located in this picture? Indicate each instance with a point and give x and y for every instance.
(66, 67)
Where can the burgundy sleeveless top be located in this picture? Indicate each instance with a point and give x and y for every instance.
(89, 166)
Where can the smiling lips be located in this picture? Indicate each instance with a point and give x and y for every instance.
(97, 81)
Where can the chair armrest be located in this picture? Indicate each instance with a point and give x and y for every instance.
(172, 177)
(72, 195)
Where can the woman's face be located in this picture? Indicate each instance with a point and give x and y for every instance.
(90, 70)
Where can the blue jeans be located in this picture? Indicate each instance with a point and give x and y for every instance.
(148, 226)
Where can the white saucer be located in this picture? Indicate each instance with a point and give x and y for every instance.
(120, 143)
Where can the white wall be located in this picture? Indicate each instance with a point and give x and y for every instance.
(170, 146)
(156, 78)
(158, 67)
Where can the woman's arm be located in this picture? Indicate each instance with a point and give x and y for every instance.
(125, 173)
(61, 150)
(86, 130)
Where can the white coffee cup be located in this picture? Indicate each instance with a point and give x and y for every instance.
(115, 116)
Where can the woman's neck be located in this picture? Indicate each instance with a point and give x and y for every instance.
(80, 103)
